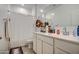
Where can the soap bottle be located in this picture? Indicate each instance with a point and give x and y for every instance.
(78, 30)
(47, 29)
(46, 25)
(58, 29)
(75, 31)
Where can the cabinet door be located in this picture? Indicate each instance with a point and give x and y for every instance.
(34, 43)
(68, 47)
(47, 49)
(58, 51)
(39, 46)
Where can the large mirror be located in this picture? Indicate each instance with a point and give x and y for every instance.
(62, 14)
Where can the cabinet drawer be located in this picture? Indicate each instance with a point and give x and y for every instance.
(47, 49)
(48, 40)
(69, 47)
(39, 37)
(58, 51)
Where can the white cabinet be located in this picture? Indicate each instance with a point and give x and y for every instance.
(47, 49)
(34, 43)
(47, 39)
(59, 51)
(44, 44)
(39, 46)
(68, 47)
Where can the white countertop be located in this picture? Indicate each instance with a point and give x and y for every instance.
(69, 38)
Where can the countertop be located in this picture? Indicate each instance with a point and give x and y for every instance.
(69, 38)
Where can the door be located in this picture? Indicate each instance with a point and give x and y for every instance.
(21, 29)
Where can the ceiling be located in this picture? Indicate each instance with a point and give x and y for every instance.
(28, 8)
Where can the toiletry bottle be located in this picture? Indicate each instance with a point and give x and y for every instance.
(47, 29)
(75, 31)
(58, 29)
(53, 29)
(46, 25)
(78, 30)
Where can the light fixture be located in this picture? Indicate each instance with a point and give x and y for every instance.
(22, 10)
(8, 10)
(41, 10)
(22, 4)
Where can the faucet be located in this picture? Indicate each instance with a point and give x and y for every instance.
(65, 32)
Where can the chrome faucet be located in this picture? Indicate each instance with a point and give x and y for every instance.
(65, 32)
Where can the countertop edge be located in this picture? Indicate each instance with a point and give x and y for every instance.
(76, 41)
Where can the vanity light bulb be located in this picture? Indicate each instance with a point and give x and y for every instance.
(22, 4)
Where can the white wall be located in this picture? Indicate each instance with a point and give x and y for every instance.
(3, 41)
(21, 29)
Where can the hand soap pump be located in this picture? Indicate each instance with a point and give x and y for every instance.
(78, 30)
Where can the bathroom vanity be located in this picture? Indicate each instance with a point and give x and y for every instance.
(47, 43)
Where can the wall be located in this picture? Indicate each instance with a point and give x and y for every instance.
(3, 41)
(2, 15)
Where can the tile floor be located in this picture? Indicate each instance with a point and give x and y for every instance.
(17, 50)
(27, 50)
